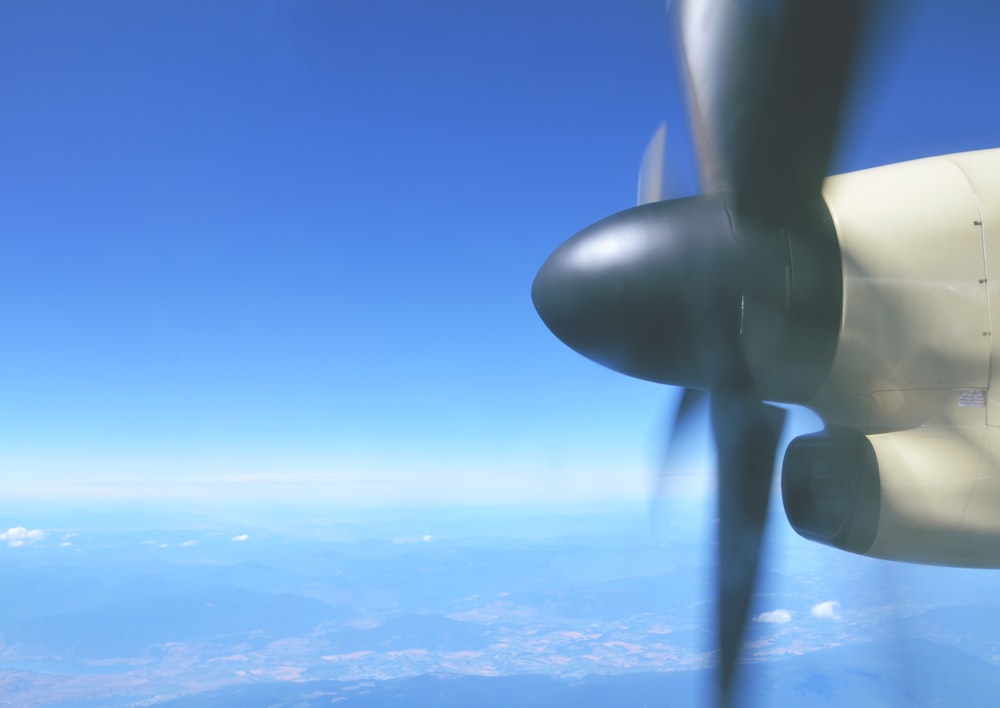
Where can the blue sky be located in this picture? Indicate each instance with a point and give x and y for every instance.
(285, 249)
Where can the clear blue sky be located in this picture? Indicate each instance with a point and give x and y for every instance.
(253, 241)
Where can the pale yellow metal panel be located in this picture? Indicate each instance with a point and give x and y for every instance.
(982, 170)
(932, 489)
(978, 534)
(915, 330)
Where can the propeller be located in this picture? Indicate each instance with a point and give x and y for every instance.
(684, 419)
(652, 168)
(652, 187)
(736, 293)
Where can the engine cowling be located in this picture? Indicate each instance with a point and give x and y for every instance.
(925, 495)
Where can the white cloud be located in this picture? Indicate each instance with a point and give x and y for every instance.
(827, 610)
(19, 535)
(188, 544)
(241, 537)
(65, 544)
(774, 617)
(426, 538)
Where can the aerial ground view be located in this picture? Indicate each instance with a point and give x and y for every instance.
(282, 422)
(494, 606)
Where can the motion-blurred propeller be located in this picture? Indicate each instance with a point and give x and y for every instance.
(652, 188)
(702, 292)
(652, 168)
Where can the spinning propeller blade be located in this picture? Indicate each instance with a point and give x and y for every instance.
(766, 81)
(652, 167)
(701, 292)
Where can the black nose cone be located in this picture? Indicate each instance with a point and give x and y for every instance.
(646, 291)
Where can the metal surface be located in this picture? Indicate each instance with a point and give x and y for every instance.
(915, 311)
(869, 302)
(766, 81)
(652, 292)
(652, 169)
(912, 372)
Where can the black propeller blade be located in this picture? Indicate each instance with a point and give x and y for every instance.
(746, 433)
(690, 400)
(680, 431)
(736, 292)
(766, 82)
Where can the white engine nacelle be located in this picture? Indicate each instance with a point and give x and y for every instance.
(927, 495)
(908, 467)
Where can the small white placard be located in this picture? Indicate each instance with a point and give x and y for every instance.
(972, 398)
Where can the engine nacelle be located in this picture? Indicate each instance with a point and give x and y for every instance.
(925, 495)
(908, 467)
(915, 321)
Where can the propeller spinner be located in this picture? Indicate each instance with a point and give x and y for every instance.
(735, 292)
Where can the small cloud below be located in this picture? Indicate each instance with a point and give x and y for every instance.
(242, 537)
(426, 538)
(65, 544)
(774, 617)
(827, 610)
(188, 544)
(18, 536)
